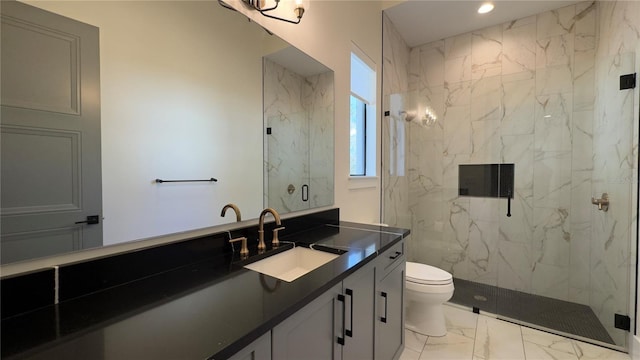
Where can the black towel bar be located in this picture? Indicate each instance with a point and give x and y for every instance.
(160, 181)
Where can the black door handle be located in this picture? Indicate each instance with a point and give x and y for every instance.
(91, 220)
(349, 332)
(384, 318)
(342, 299)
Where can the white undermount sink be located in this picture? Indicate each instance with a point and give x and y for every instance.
(291, 264)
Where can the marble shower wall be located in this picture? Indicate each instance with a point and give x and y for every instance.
(523, 92)
(615, 162)
(319, 99)
(299, 111)
(504, 94)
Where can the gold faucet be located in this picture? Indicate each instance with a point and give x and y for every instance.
(235, 209)
(275, 242)
(244, 251)
(261, 245)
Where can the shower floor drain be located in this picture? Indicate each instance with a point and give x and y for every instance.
(480, 297)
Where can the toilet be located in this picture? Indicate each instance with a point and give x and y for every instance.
(427, 288)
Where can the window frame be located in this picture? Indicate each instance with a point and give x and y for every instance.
(364, 88)
(362, 160)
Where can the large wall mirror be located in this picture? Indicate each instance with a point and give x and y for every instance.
(188, 90)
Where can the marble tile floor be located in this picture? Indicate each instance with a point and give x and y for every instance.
(483, 337)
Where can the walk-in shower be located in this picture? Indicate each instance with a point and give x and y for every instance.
(542, 93)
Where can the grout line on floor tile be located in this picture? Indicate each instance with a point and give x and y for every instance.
(524, 350)
(475, 337)
(424, 347)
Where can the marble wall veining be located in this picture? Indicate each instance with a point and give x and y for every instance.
(615, 161)
(299, 111)
(540, 92)
(319, 99)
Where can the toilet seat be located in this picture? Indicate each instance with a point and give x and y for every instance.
(427, 274)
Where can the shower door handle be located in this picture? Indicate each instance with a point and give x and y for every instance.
(305, 192)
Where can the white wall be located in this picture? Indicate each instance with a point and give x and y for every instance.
(176, 103)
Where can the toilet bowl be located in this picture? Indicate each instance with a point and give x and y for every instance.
(427, 288)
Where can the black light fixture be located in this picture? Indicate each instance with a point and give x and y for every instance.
(260, 6)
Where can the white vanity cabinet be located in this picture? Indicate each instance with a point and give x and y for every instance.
(389, 320)
(260, 349)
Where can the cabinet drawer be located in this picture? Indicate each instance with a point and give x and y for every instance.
(393, 256)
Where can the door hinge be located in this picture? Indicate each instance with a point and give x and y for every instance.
(622, 322)
(627, 81)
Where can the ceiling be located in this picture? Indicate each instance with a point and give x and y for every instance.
(295, 60)
(423, 21)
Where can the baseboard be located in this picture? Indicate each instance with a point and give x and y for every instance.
(634, 347)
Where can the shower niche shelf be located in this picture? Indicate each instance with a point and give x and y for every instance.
(487, 180)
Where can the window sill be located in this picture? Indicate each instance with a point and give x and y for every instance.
(363, 182)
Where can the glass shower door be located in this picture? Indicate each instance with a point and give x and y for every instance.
(287, 161)
(567, 252)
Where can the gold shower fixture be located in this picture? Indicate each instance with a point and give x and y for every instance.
(602, 203)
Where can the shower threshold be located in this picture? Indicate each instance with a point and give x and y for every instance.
(559, 315)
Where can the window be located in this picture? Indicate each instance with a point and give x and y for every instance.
(358, 137)
(362, 132)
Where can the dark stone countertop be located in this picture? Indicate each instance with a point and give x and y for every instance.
(210, 309)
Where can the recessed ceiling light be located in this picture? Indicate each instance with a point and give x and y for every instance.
(485, 8)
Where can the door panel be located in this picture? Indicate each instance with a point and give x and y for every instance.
(42, 243)
(390, 315)
(310, 333)
(37, 181)
(359, 289)
(58, 87)
(50, 133)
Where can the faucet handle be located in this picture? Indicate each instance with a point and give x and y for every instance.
(244, 251)
(275, 242)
